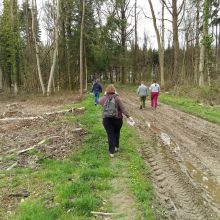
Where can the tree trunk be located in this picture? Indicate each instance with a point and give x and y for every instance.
(34, 18)
(206, 46)
(52, 70)
(13, 4)
(160, 47)
(81, 48)
(162, 81)
(175, 42)
(201, 66)
(86, 70)
(196, 73)
(123, 43)
(1, 83)
(134, 74)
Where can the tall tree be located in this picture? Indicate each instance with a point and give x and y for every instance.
(196, 71)
(10, 44)
(135, 43)
(175, 12)
(34, 18)
(55, 52)
(205, 59)
(81, 47)
(159, 42)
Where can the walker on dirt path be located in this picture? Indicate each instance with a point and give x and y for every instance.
(155, 90)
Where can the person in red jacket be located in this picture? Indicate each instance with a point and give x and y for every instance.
(113, 124)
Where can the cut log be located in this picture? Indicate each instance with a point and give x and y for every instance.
(104, 213)
(79, 110)
(23, 193)
(58, 112)
(12, 166)
(21, 118)
(77, 129)
(25, 150)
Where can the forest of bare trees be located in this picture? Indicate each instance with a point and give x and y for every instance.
(86, 39)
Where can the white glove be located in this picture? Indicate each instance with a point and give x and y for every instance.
(131, 121)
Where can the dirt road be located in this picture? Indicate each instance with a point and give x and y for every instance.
(182, 151)
(184, 156)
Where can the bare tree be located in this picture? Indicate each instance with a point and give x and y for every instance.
(160, 44)
(13, 4)
(205, 61)
(175, 12)
(197, 42)
(55, 52)
(135, 42)
(34, 18)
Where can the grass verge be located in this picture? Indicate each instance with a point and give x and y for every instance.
(72, 188)
(188, 105)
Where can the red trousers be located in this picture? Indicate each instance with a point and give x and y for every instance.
(154, 96)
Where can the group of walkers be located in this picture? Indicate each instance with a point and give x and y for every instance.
(143, 93)
(113, 109)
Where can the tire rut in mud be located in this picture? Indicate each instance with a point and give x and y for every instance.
(176, 191)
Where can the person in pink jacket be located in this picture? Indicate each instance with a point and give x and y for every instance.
(155, 90)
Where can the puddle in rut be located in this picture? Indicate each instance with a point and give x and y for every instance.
(165, 138)
(211, 186)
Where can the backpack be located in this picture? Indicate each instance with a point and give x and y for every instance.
(110, 109)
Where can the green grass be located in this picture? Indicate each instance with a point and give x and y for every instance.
(138, 173)
(188, 105)
(72, 188)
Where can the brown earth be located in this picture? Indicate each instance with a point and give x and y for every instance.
(182, 151)
(184, 157)
(49, 136)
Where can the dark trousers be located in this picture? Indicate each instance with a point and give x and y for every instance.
(112, 127)
(142, 101)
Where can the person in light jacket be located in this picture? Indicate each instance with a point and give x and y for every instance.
(142, 92)
(155, 90)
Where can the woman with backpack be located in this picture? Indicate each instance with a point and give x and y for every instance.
(112, 117)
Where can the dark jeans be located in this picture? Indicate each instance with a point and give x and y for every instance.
(96, 95)
(112, 127)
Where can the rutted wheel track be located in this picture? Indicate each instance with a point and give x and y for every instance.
(177, 192)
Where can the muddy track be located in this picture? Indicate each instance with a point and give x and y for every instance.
(184, 157)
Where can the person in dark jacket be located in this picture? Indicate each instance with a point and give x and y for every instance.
(96, 90)
(113, 125)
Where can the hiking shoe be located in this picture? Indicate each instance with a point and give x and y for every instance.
(111, 155)
(116, 149)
